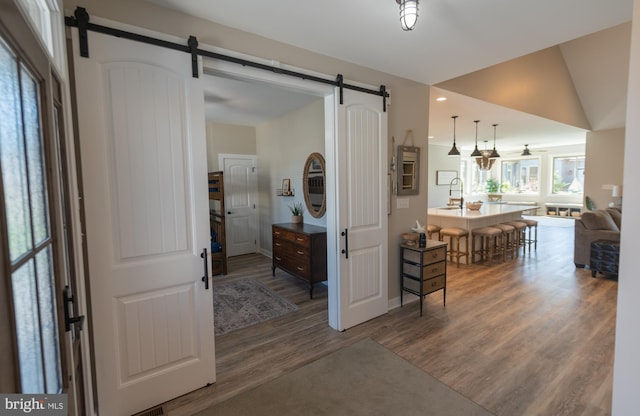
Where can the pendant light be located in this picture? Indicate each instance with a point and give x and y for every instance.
(526, 151)
(476, 153)
(494, 154)
(408, 13)
(454, 150)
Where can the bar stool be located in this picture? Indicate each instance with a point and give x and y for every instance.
(508, 239)
(488, 241)
(432, 229)
(531, 225)
(456, 233)
(520, 234)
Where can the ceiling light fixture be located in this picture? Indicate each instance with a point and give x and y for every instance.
(526, 151)
(484, 161)
(408, 13)
(454, 150)
(494, 154)
(476, 153)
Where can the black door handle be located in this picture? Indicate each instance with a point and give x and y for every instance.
(345, 251)
(205, 278)
(70, 321)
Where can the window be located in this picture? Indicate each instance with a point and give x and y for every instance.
(478, 178)
(26, 208)
(568, 175)
(521, 176)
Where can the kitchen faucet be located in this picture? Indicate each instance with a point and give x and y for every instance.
(453, 182)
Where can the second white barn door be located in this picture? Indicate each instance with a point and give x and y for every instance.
(361, 162)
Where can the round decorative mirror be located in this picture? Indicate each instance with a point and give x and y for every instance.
(313, 178)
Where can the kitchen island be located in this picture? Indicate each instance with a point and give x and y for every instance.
(487, 215)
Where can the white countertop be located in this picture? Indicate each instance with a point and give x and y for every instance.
(487, 210)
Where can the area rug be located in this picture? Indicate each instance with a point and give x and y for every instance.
(362, 379)
(241, 303)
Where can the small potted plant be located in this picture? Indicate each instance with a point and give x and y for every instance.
(493, 187)
(296, 212)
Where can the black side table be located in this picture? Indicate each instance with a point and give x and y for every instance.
(605, 255)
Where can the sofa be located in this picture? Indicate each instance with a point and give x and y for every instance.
(600, 224)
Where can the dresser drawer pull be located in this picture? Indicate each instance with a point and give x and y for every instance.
(278, 258)
(276, 232)
(435, 269)
(300, 252)
(300, 268)
(435, 255)
(299, 239)
(278, 244)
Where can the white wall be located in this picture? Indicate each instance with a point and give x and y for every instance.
(440, 160)
(283, 145)
(626, 371)
(229, 139)
(604, 165)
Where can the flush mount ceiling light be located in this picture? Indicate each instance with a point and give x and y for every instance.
(526, 151)
(454, 150)
(476, 153)
(408, 13)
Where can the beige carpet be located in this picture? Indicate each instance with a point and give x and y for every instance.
(362, 379)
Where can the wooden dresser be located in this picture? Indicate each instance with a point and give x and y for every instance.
(301, 250)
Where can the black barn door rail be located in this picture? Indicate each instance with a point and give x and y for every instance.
(80, 19)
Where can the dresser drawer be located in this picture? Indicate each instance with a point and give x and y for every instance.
(297, 238)
(428, 286)
(431, 256)
(299, 267)
(429, 270)
(289, 248)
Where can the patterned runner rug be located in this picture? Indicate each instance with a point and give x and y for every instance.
(245, 302)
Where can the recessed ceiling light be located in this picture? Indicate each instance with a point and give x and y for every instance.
(441, 99)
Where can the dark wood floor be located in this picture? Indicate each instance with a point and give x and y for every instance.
(531, 336)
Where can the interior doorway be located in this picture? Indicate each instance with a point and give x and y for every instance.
(240, 192)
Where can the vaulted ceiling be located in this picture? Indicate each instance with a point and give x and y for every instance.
(455, 38)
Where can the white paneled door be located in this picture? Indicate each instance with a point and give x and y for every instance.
(144, 171)
(361, 163)
(240, 188)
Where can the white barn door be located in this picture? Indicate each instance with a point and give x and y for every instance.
(361, 165)
(143, 150)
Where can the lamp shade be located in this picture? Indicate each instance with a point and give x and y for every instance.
(494, 154)
(408, 13)
(454, 150)
(476, 153)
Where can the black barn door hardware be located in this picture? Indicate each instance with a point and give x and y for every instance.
(345, 250)
(205, 278)
(80, 19)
